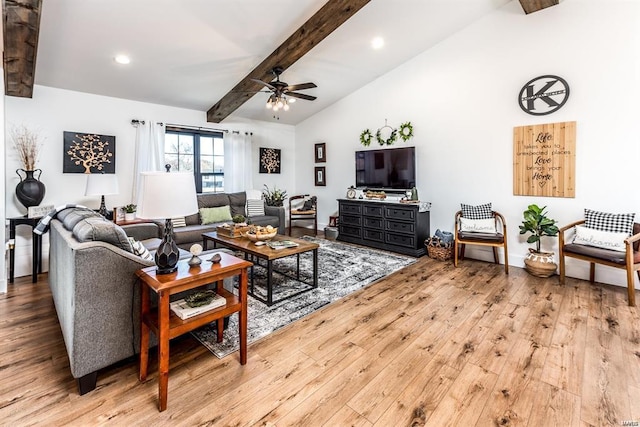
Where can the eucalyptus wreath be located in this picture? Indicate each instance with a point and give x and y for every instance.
(389, 141)
(406, 131)
(365, 137)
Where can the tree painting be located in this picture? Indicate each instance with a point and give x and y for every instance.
(89, 153)
(269, 160)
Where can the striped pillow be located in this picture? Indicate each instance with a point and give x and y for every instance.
(255, 207)
(140, 250)
(178, 222)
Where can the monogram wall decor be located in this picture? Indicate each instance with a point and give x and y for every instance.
(543, 95)
(544, 160)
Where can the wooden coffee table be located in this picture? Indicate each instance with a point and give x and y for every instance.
(166, 325)
(269, 255)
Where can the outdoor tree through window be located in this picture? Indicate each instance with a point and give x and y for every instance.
(199, 152)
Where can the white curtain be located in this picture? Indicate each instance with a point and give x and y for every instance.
(238, 163)
(149, 154)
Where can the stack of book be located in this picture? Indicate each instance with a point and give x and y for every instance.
(282, 244)
(183, 311)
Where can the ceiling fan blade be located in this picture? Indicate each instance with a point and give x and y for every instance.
(301, 86)
(301, 96)
(269, 85)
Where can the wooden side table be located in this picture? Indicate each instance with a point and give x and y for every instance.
(166, 325)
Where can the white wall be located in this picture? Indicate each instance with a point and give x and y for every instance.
(53, 111)
(461, 97)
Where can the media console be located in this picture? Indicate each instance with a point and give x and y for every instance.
(392, 226)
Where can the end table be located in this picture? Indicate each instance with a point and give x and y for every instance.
(36, 246)
(166, 325)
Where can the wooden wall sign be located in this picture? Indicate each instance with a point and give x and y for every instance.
(544, 160)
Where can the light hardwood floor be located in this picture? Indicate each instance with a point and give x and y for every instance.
(429, 345)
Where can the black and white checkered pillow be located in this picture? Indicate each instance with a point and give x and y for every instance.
(477, 212)
(615, 223)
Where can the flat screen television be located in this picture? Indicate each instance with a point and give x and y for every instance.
(386, 169)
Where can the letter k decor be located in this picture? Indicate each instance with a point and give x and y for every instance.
(543, 95)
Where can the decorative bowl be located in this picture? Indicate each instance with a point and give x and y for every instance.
(261, 236)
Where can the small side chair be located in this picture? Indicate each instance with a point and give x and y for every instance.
(494, 240)
(303, 208)
(628, 260)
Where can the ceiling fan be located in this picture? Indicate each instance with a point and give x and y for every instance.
(282, 94)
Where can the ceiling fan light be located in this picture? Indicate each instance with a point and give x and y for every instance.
(279, 104)
(269, 105)
(276, 108)
(291, 100)
(286, 107)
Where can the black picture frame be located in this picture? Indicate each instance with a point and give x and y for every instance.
(321, 152)
(270, 160)
(320, 176)
(88, 153)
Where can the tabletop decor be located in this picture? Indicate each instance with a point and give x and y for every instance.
(30, 190)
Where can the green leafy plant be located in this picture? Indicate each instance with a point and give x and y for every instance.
(130, 208)
(237, 219)
(537, 223)
(274, 197)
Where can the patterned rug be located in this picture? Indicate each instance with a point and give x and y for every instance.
(342, 269)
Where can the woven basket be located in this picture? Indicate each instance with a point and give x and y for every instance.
(440, 253)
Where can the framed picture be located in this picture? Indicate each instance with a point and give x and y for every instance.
(118, 214)
(88, 153)
(321, 152)
(269, 160)
(321, 178)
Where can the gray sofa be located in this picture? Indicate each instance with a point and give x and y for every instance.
(192, 232)
(95, 291)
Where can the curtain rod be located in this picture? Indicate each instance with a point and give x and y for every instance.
(136, 122)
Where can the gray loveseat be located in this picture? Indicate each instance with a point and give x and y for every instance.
(95, 291)
(192, 232)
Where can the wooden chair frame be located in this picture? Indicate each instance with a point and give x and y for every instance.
(297, 216)
(460, 243)
(629, 266)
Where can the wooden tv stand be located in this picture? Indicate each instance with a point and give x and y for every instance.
(392, 226)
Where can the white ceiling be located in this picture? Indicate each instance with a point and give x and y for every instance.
(190, 53)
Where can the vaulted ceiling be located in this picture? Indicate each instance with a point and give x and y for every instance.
(196, 54)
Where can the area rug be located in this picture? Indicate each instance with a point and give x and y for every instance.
(342, 269)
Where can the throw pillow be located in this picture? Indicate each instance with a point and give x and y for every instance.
(255, 207)
(213, 215)
(487, 225)
(178, 222)
(102, 230)
(600, 239)
(477, 212)
(615, 223)
(140, 250)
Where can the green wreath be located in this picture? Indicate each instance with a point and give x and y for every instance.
(389, 141)
(406, 131)
(365, 137)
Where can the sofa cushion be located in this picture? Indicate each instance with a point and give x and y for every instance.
(71, 217)
(212, 200)
(140, 249)
(237, 201)
(265, 220)
(100, 229)
(214, 215)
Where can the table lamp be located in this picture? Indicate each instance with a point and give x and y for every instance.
(101, 184)
(166, 195)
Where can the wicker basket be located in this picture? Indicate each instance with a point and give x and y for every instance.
(440, 253)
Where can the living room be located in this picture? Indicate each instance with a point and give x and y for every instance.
(461, 97)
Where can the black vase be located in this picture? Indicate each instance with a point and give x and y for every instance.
(30, 191)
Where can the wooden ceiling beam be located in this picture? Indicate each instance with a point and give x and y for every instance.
(531, 6)
(333, 14)
(21, 25)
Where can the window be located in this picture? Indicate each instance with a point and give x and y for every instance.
(200, 152)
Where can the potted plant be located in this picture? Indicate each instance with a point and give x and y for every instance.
(130, 212)
(273, 197)
(536, 222)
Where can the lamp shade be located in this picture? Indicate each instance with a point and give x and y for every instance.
(101, 184)
(166, 195)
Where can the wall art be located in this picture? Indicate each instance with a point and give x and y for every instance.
(269, 160)
(321, 176)
(544, 160)
(321, 152)
(89, 153)
(543, 95)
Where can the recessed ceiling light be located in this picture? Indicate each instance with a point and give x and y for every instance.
(377, 42)
(122, 59)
